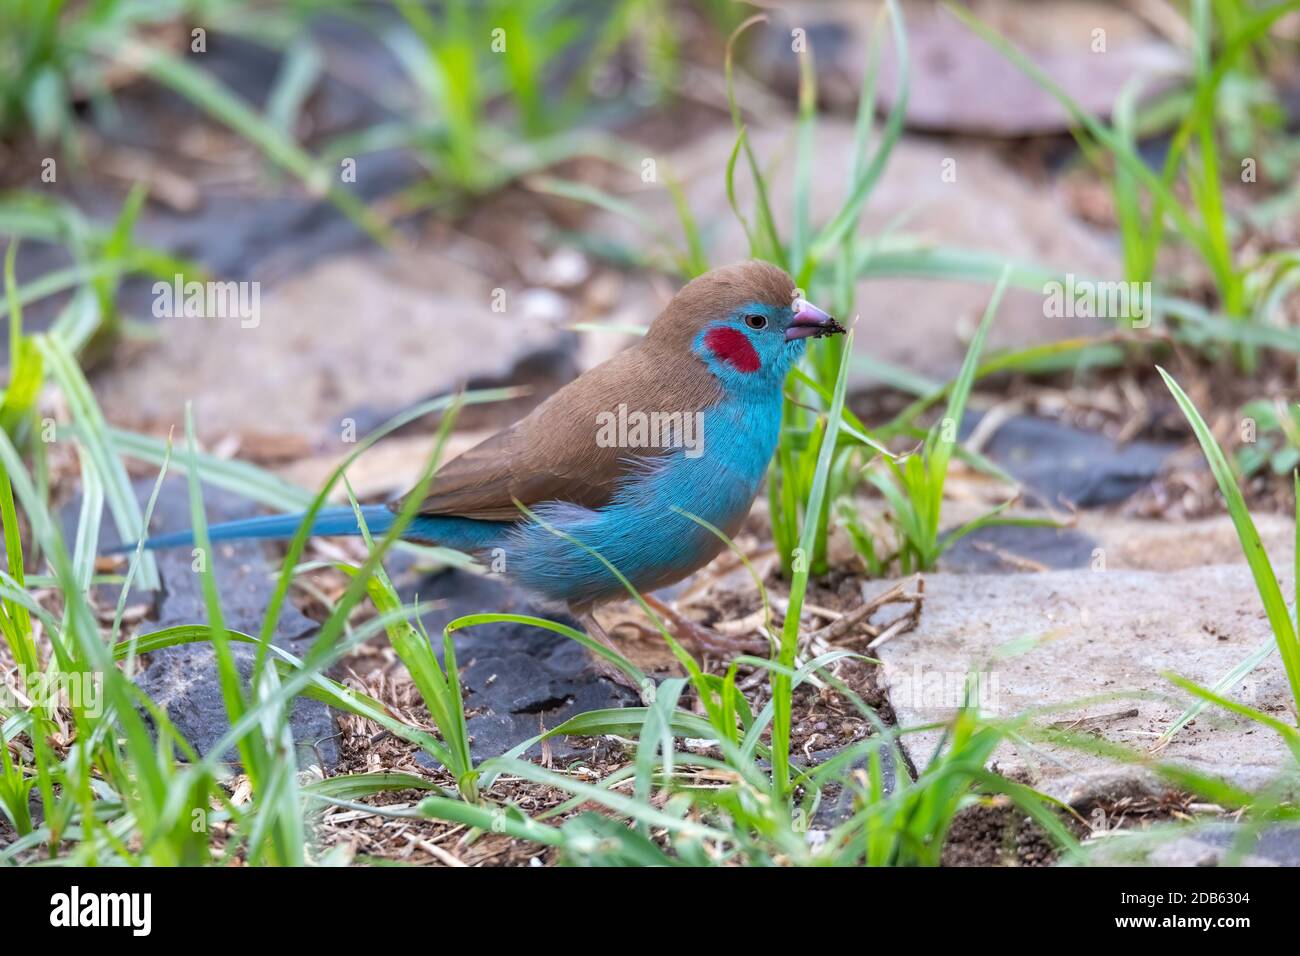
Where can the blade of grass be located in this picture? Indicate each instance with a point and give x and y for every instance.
(94, 437)
(782, 688)
(1252, 546)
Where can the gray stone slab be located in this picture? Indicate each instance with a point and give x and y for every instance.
(183, 680)
(960, 83)
(517, 680)
(1209, 844)
(1104, 640)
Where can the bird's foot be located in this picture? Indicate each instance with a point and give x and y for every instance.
(616, 675)
(607, 669)
(704, 640)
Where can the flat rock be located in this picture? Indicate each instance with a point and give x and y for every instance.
(517, 680)
(183, 680)
(1208, 844)
(1059, 464)
(921, 324)
(1099, 633)
(1108, 542)
(356, 337)
(1144, 545)
(958, 82)
(1010, 548)
(837, 804)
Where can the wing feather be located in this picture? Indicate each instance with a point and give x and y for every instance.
(553, 453)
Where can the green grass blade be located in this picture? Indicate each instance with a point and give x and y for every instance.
(93, 434)
(782, 688)
(1261, 568)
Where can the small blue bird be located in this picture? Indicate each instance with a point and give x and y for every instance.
(685, 420)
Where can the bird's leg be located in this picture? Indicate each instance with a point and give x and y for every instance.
(703, 639)
(607, 668)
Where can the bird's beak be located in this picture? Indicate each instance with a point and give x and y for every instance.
(810, 321)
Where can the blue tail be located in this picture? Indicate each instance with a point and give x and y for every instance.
(342, 521)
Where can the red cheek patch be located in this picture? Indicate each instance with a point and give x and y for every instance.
(732, 348)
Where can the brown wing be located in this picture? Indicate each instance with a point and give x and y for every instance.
(553, 454)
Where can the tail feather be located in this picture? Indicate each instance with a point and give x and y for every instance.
(337, 521)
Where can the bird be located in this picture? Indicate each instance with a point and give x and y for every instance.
(616, 465)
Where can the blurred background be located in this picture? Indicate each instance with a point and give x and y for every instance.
(433, 195)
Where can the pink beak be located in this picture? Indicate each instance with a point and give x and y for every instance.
(810, 322)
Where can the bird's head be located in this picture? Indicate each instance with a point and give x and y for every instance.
(745, 322)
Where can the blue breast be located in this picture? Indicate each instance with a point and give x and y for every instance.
(639, 532)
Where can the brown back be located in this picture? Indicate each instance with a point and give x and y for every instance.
(553, 455)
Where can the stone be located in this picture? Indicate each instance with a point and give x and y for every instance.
(1102, 541)
(837, 800)
(1145, 545)
(183, 680)
(517, 680)
(958, 82)
(1060, 464)
(1009, 548)
(1104, 634)
(1201, 844)
(358, 337)
(922, 324)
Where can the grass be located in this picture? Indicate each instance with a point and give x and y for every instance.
(115, 795)
(913, 487)
(89, 323)
(822, 262)
(1281, 619)
(100, 794)
(101, 257)
(1273, 442)
(498, 89)
(43, 70)
(60, 54)
(1150, 201)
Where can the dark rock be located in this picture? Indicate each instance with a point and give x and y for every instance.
(1059, 463)
(837, 800)
(241, 237)
(517, 680)
(183, 680)
(997, 547)
(233, 234)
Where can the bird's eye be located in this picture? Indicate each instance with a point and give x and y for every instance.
(756, 320)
